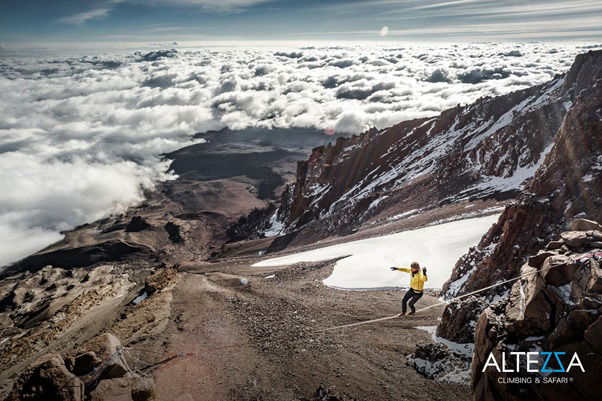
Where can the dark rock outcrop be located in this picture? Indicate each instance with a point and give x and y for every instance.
(72, 257)
(138, 223)
(83, 364)
(47, 379)
(326, 393)
(436, 361)
(173, 230)
(557, 308)
(253, 225)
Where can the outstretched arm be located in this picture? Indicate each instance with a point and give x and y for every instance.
(401, 269)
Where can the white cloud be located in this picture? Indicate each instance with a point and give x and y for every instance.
(80, 136)
(384, 31)
(441, 5)
(210, 5)
(82, 18)
(213, 5)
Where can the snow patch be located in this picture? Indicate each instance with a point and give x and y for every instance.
(276, 227)
(404, 214)
(367, 261)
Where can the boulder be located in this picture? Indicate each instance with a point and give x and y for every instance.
(437, 361)
(574, 239)
(528, 309)
(460, 329)
(558, 270)
(115, 366)
(584, 225)
(554, 245)
(570, 328)
(85, 363)
(143, 389)
(326, 393)
(537, 260)
(47, 379)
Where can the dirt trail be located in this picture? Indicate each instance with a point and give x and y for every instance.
(214, 365)
(264, 340)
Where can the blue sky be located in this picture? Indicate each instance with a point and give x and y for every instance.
(385, 20)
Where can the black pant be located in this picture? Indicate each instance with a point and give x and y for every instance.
(413, 297)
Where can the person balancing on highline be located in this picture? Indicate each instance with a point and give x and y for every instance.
(417, 279)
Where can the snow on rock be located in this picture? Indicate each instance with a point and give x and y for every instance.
(275, 227)
(365, 262)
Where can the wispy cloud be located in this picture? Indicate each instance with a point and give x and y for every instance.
(539, 29)
(82, 18)
(211, 5)
(441, 5)
(489, 9)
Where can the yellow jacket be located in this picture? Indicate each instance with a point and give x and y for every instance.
(417, 280)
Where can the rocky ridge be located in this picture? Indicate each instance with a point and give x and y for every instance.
(567, 185)
(84, 376)
(54, 322)
(555, 307)
(487, 149)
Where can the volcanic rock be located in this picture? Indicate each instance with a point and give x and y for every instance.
(47, 379)
(174, 232)
(436, 361)
(326, 393)
(112, 353)
(85, 363)
(550, 309)
(537, 260)
(574, 239)
(138, 223)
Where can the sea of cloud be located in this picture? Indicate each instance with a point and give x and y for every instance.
(81, 136)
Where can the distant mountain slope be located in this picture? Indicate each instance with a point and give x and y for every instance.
(224, 178)
(487, 149)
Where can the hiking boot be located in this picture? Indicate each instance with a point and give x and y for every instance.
(411, 313)
(402, 314)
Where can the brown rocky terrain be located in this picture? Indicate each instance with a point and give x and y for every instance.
(227, 330)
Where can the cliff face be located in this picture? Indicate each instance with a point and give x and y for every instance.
(487, 149)
(554, 309)
(568, 184)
